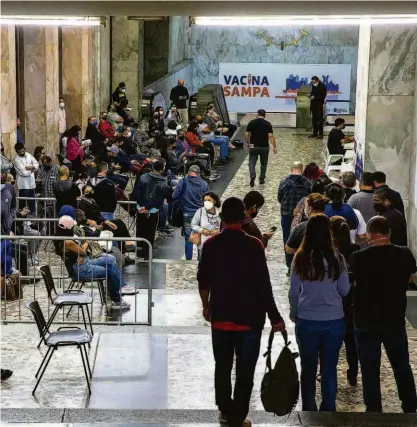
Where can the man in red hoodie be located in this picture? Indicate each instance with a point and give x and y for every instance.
(105, 127)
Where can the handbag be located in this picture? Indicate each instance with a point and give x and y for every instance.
(11, 288)
(177, 208)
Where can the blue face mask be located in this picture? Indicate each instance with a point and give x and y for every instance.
(95, 123)
(120, 129)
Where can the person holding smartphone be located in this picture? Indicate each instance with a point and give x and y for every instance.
(258, 136)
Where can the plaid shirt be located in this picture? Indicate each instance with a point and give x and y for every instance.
(291, 190)
(48, 177)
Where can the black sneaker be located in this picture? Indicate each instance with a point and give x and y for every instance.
(252, 182)
(312, 136)
(6, 374)
(261, 181)
(320, 137)
(352, 379)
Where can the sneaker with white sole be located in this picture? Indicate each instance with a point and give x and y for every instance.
(122, 305)
(128, 290)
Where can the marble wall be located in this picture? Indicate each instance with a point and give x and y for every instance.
(390, 111)
(41, 88)
(8, 88)
(324, 45)
(179, 40)
(127, 58)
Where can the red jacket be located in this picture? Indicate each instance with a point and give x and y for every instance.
(106, 129)
(193, 140)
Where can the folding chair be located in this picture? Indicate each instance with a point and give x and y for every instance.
(71, 336)
(69, 298)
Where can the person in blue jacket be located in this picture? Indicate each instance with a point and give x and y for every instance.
(188, 193)
(337, 207)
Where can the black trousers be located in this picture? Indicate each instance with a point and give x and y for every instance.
(350, 345)
(317, 114)
(246, 346)
(146, 225)
(20, 254)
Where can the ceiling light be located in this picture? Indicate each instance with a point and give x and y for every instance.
(72, 21)
(254, 21)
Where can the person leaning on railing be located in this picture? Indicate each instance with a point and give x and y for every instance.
(86, 268)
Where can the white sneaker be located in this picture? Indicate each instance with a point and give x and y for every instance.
(122, 305)
(128, 290)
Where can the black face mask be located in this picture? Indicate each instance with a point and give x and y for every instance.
(89, 195)
(254, 214)
(47, 167)
(181, 138)
(379, 207)
(21, 155)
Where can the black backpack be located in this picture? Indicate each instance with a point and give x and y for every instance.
(280, 386)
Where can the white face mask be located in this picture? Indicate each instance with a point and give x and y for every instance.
(315, 84)
(129, 134)
(208, 205)
(61, 105)
(123, 90)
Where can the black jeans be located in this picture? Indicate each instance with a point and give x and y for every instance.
(20, 255)
(396, 346)
(246, 345)
(350, 346)
(317, 114)
(146, 226)
(254, 153)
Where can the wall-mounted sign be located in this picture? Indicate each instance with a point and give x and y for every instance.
(273, 87)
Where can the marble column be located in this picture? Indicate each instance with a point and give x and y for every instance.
(78, 84)
(127, 59)
(41, 88)
(8, 88)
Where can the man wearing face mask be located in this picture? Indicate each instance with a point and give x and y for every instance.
(98, 140)
(26, 166)
(179, 96)
(396, 220)
(105, 127)
(337, 138)
(156, 125)
(317, 98)
(62, 117)
(119, 94)
(253, 202)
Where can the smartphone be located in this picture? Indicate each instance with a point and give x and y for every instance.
(273, 229)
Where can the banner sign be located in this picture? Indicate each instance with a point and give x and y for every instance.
(337, 108)
(273, 87)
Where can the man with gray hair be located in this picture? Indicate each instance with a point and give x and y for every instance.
(290, 191)
(179, 96)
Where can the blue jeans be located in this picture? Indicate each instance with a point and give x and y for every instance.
(246, 345)
(104, 267)
(286, 221)
(319, 339)
(107, 216)
(396, 346)
(254, 153)
(163, 217)
(223, 141)
(186, 231)
(30, 203)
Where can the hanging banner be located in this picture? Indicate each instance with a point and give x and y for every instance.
(273, 87)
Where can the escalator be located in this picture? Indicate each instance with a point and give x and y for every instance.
(209, 93)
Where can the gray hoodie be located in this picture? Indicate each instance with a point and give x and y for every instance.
(8, 207)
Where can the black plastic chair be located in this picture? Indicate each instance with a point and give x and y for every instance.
(71, 336)
(68, 299)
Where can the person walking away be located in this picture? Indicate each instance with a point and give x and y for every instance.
(290, 191)
(206, 221)
(62, 118)
(236, 294)
(382, 273)
(319, 280)
(253, 202)
(150, 192)
(189, 192)
(383, 205)
(317, 97)
(364, 200)
(258, 136)
(26, 166)
(380, 183)
(342, 243)
(179, 96)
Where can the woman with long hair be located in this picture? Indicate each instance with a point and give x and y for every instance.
(342, 242)
(319, 280)
(75, 150)
(337, 207)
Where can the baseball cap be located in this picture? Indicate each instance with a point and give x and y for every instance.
(66, 222)
(113, 149)
(262, 112)
(194, 168)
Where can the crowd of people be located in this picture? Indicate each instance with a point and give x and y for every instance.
(346, 250)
